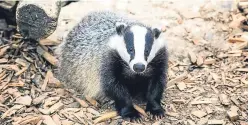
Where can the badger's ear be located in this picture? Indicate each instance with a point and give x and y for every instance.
(156, 32)
(120, 27)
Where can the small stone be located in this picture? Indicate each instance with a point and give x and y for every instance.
(25, 100)
(215, 77)
(209, 61)
(199, 113)
(199, 60)
(192, 57)
(234, 108)
(172, 114)
(222, 55)
(235, 101)
(181, 86)
(190, 14)
(202, 121)
(224, 28)
(163, 28)
(66, 122)
(39, 99)
(199, 107)
(233, 113)
(224, 99)
(48, 120)
(243, 123)
(179, 101)
(73, 105)
(196, 41)
(242, 99)
(209, 110)
(215, 122)
(93, 111)
(157, 122)
(181, 68)
(190, 122)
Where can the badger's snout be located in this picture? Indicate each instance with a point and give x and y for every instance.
(139, 67)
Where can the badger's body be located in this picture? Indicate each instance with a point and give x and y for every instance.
(109, 55)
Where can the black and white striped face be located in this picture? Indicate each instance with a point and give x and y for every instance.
(137, 45)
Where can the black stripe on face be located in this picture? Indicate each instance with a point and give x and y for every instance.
(129, 42)
(148, 43)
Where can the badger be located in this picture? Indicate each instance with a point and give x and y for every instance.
(109, 55)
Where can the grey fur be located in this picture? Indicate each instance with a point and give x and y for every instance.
(81, 52)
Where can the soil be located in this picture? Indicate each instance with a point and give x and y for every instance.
(207, 75)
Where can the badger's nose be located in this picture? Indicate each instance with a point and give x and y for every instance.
(139, 67)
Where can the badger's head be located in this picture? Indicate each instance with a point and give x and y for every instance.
(137, 45)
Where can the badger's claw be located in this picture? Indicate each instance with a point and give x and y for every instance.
(155, 113)
(130, 114)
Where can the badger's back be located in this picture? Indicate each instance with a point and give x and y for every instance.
(81, 52)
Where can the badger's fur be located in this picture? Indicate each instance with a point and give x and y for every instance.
(109, 55)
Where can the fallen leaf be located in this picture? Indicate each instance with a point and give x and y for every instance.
(39, 99)
(11, 111)
(93, 111)
(49, 42)
(201, 102)
(52, 109)
(10, 67)
(178, 79)
(53, 82)
(105, 117)
(50, 101)
(48, 75)
(3, 50)
(243, 123)
(47, 120)
(191, 122)
(242, 69)
(234, 40)
(192, 57)
(209, 110)
(19, 84)
(215, 122)
(181, 86)
(224, 99)
(199, 113)
(242, 45)
(92, 101)
(56, 119)
(215, 77)
(82, 102)
(24, 100)
(209, 61)
(3, 60)
(28, 120)
(199, 60)
(140, 110)
(21, 71)
(51, 59)
(22, 62)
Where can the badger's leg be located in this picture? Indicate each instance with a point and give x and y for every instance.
(122, 99)
(154, 96)
(114, 87)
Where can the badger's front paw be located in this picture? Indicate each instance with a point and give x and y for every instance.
(156, 111)
(130, 113)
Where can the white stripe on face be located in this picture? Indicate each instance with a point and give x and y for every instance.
(138, 41)
(158, 44)
(117, 42)
(139, 45)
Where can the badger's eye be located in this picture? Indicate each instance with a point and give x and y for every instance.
(146, 52)
(131, 49)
